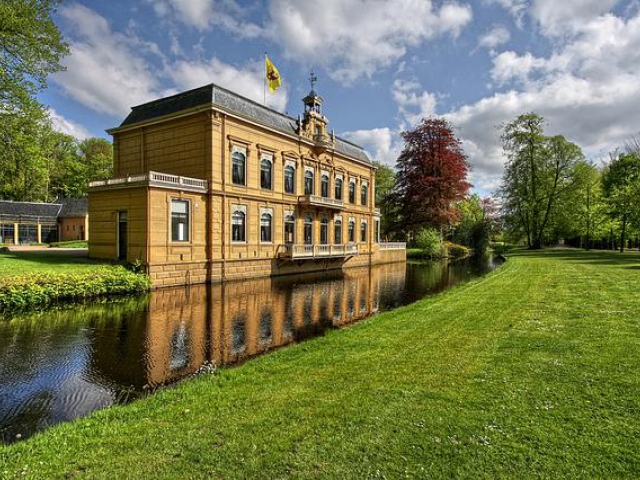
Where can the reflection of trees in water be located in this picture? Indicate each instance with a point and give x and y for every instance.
(180, 351)
(266, 330)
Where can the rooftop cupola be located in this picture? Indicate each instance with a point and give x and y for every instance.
(313, 124)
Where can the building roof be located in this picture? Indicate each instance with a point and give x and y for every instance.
(73, 207)
(233, 103)
(17, 210)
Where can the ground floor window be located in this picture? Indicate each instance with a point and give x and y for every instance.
(363, 231)
(238, 229)
(308, 230)
(179, 220)
(337, 232)
(324, 231)
(352, 231)
(289, 229)
(265, 227)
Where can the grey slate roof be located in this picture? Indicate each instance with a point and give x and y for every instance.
(73, 207)
(233, 103)
(15, 210)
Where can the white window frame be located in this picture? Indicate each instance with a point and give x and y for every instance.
(234, 210)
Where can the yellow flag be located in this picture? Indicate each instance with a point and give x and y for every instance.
(273, 75)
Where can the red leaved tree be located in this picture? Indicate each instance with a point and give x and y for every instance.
(432, 175)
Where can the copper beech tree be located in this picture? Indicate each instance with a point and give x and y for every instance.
(431, 176)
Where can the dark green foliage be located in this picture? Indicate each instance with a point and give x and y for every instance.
(480, 238)
(39, 290)
(455, 250)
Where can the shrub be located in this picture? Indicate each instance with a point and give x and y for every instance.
(429, 241)
(480, 237)
(36, 291)
(455, 250)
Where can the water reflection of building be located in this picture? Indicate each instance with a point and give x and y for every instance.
(183, 328)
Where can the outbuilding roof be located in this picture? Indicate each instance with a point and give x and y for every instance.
(233, 103)
(73, 207)
(17, 210)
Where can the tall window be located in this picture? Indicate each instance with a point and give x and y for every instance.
(352, 191)
(238, 227)
(266, 170)
(338, 188)
(363, 231)
(324, 186)
(289, 179)
(265, 227)
(337, 232)
(324, 231)
(308, 182)
(308, 230)
(289, 229)
(364, 191)
(179, 220)
(352, 231)
(239, 161)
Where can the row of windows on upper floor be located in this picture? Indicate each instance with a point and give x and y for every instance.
(239, 169)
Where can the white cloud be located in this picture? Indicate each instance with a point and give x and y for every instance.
(108, 72)
(351, 39)
(205, 14)
(413, 105)
(105, 72)
(588, 90)
(67, 126)
(563, 18)
(517, 8)
(495, 37)
(247, 80)
(382, 144)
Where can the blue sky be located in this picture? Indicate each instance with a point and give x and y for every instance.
(382, 65)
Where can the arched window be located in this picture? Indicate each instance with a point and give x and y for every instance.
(238, 226)
(352, 191)
(308, 230)
(338, 188)
(265, 227)
(352, 230)
(324, 231)
(289, 179)
(308, 182)
(363, 231)
(289, 229)
(324, 186)
(266, 169)
(337, 232)
(238, 169)
(364, 190)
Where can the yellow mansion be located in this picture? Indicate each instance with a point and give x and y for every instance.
(211, 186)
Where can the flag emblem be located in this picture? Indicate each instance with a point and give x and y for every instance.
(273, 76)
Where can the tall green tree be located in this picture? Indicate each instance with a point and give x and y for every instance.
(385, 199)
(539, 171)
(621, 188)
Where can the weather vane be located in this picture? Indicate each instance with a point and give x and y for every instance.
(313, 79)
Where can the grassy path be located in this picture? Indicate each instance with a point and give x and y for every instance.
(532, 371)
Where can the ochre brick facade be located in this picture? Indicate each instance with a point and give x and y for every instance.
(202, 144)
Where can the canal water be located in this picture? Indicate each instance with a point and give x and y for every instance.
(64, 364)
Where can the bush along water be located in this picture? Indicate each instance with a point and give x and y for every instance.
(37, 291)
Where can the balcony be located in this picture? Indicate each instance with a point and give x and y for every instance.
(296, 252)
(153, 179)
(318, 201)
(392, 245)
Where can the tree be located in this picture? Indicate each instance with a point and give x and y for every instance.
(431, 176)
(385, 200)
(538, 173)
(31, 48)
(621, 188)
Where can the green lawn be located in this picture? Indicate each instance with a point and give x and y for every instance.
(71, 244)
(17, 263)
(532, 371)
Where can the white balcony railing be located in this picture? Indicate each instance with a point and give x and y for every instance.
(295, 251)
(154, 179)
(392, 246)
(317, 200)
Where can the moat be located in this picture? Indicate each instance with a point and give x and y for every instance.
(64, 364)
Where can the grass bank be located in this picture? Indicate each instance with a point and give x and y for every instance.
(33, 280)
(532, 371)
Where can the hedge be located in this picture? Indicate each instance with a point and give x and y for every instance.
(39, 290)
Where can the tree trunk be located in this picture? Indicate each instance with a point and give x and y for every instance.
(623, 232)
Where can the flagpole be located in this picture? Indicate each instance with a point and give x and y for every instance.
(264, 81)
